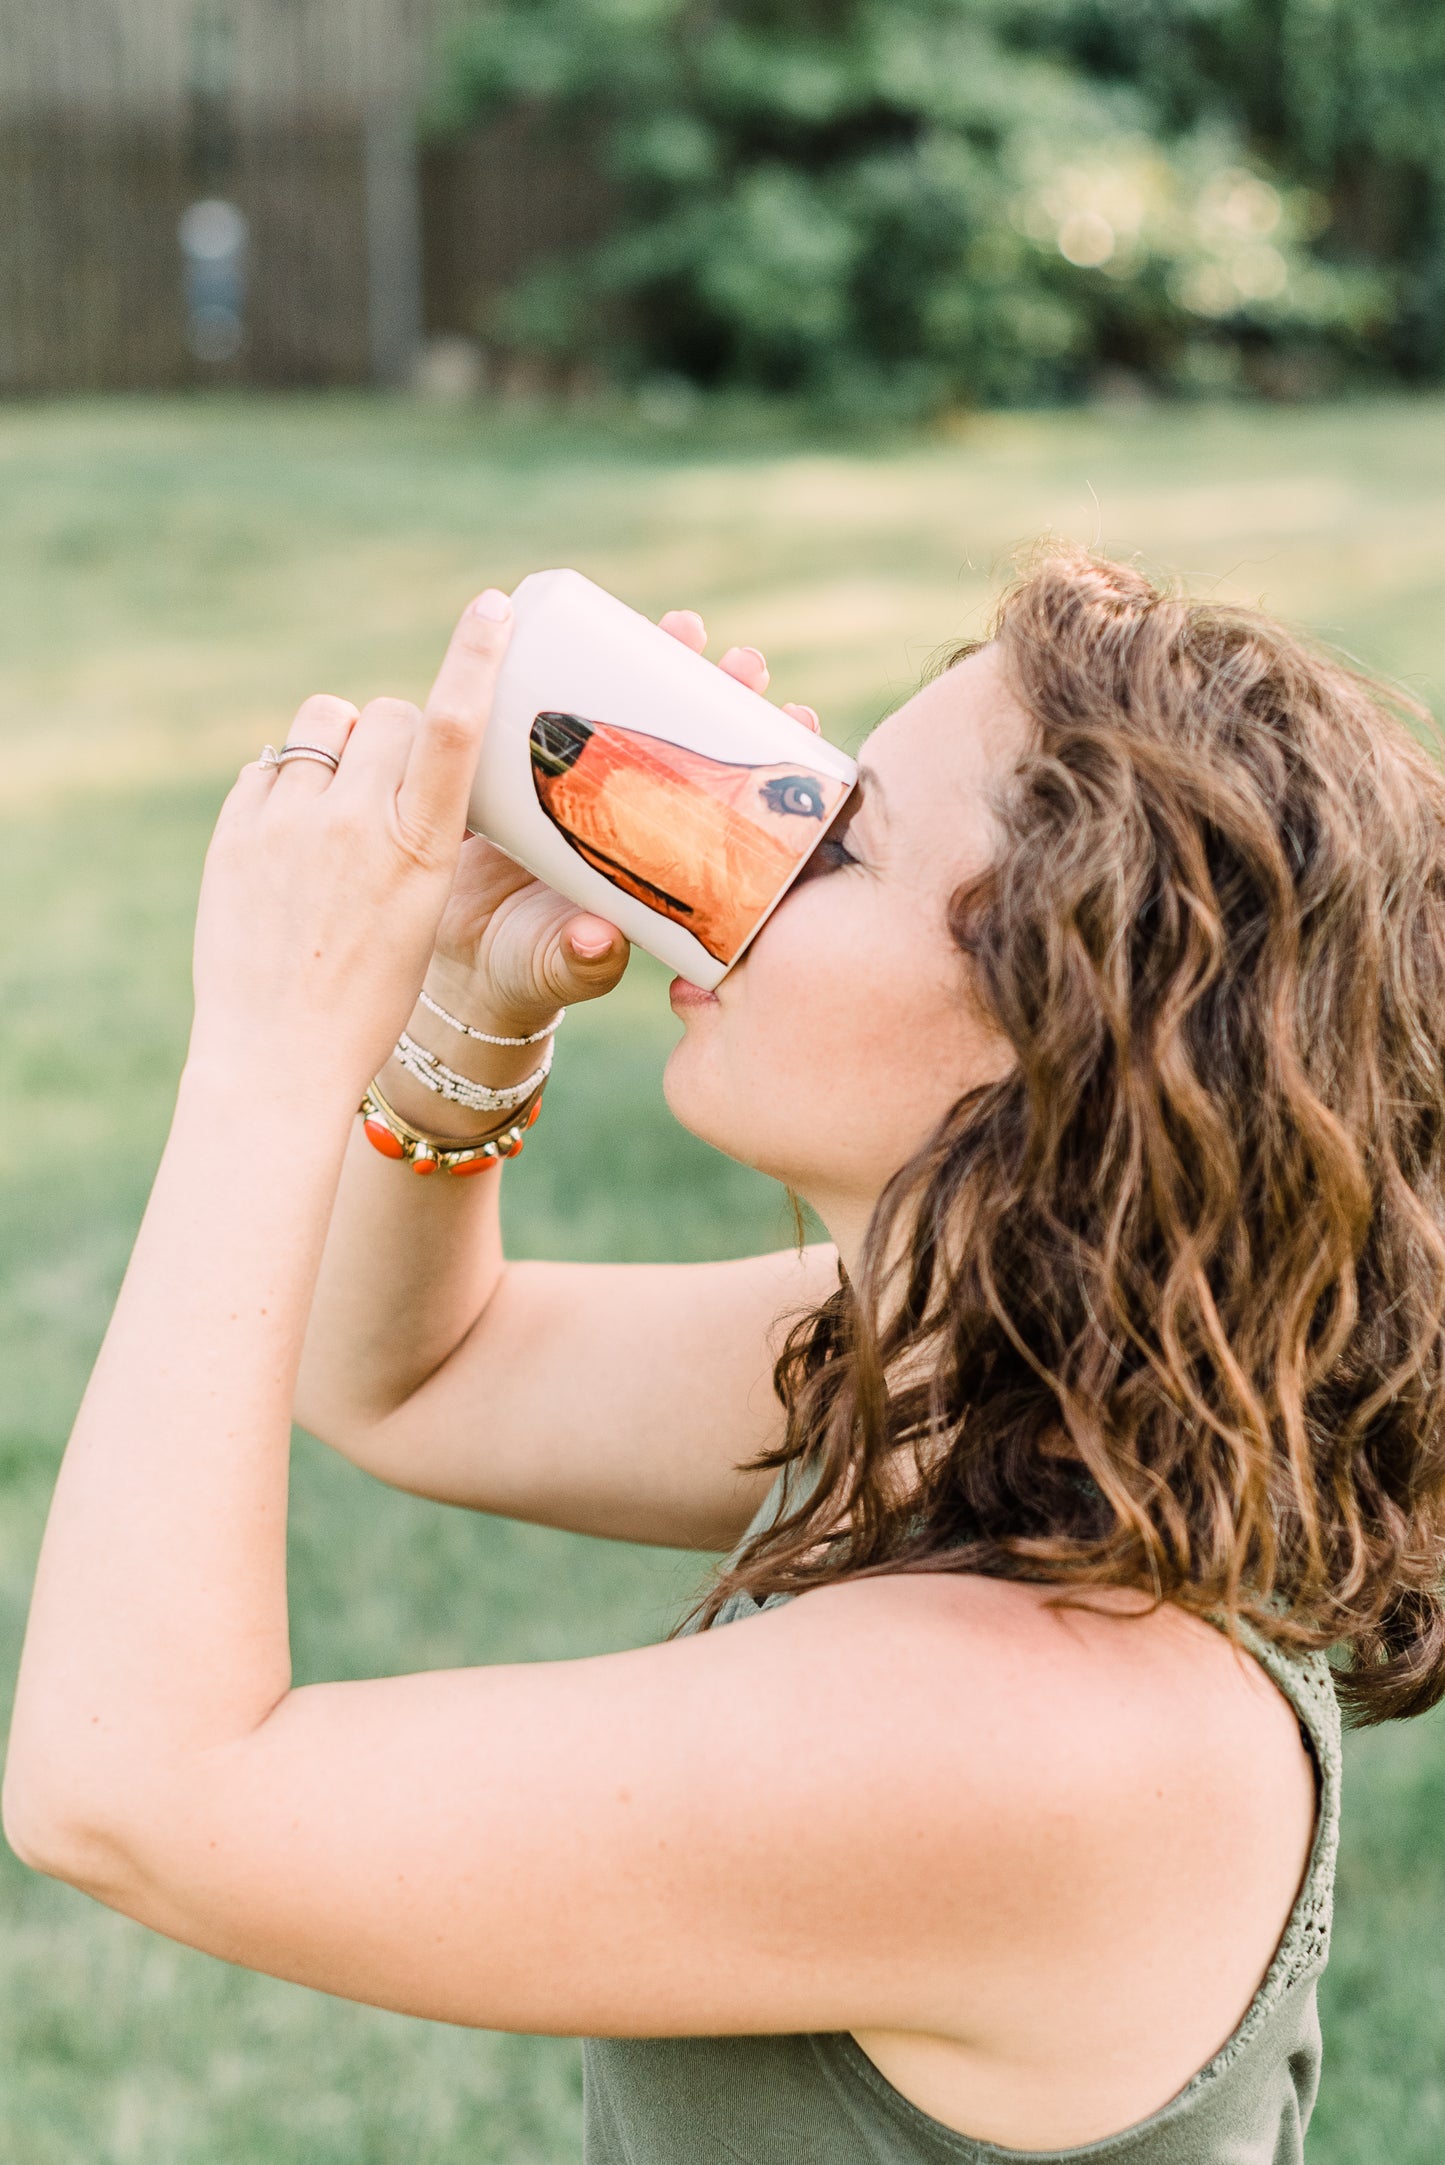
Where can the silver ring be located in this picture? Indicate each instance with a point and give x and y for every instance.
(270, 757)
(308, 751)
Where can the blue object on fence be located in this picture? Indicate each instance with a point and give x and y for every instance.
(214, 237)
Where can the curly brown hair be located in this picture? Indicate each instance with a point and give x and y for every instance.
(1164, 1308)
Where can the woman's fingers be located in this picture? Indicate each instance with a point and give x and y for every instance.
(686, 625)
(432, 800)
(748, 665)
(376, 757)
(324, 723)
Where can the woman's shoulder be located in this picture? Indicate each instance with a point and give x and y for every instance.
(1142, 1743)
(1113, 1809)
(1026, 1659)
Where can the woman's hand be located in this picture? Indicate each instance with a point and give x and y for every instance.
(511, 951)
(328, 898)
(323, 892)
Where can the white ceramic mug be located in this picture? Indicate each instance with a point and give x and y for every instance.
(644, 783)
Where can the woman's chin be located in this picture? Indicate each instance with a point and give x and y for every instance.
(694, 1099)
(679, 1084)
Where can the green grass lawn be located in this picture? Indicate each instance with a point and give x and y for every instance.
(173, 579)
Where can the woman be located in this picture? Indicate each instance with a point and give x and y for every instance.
(1105, 1039)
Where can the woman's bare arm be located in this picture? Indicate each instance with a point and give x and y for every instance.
(1020, 1806)
(611, 1399)
(927, 1811)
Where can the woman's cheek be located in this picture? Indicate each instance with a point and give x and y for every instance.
(808, 937)
(809, 1027)
(777, 1067)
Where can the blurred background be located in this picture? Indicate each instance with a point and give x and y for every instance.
(880, 205)
(318, 315)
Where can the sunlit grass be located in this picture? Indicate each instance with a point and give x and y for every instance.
(173, 579)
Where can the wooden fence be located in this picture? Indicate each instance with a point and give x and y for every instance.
(496, 202)
(92, 293)
(117, 116)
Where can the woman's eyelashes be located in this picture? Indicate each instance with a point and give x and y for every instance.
(834, 853)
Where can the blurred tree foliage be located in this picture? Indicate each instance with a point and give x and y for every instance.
(910, 204)
(1346, 97)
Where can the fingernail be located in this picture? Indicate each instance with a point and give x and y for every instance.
(591, 946)
(494, 605)
(758, 656)
(814, 721)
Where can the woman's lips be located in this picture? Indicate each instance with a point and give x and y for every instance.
(684, 994)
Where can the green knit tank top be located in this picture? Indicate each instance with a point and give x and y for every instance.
(819, 2100)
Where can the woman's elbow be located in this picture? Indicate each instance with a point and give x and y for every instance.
(62, 1838)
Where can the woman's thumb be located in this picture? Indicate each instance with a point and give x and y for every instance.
(590, 938)
(593, 956)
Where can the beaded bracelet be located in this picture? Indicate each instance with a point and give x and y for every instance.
(486, 1037)
(396, 1138)
(433, 1074)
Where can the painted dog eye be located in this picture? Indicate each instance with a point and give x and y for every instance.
(798, 794)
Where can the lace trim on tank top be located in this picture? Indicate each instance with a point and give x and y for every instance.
(1308, 1684)
(1307, 1681)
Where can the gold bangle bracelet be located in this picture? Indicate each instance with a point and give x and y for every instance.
(396, 1138)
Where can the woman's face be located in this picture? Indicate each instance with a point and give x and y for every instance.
(837, 1044)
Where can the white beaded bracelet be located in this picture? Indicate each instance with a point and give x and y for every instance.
(445, 1082)
(485, 1037)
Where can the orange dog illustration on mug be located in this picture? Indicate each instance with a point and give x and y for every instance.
(704, 842)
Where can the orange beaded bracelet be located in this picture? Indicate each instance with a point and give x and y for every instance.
(396, 1138)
